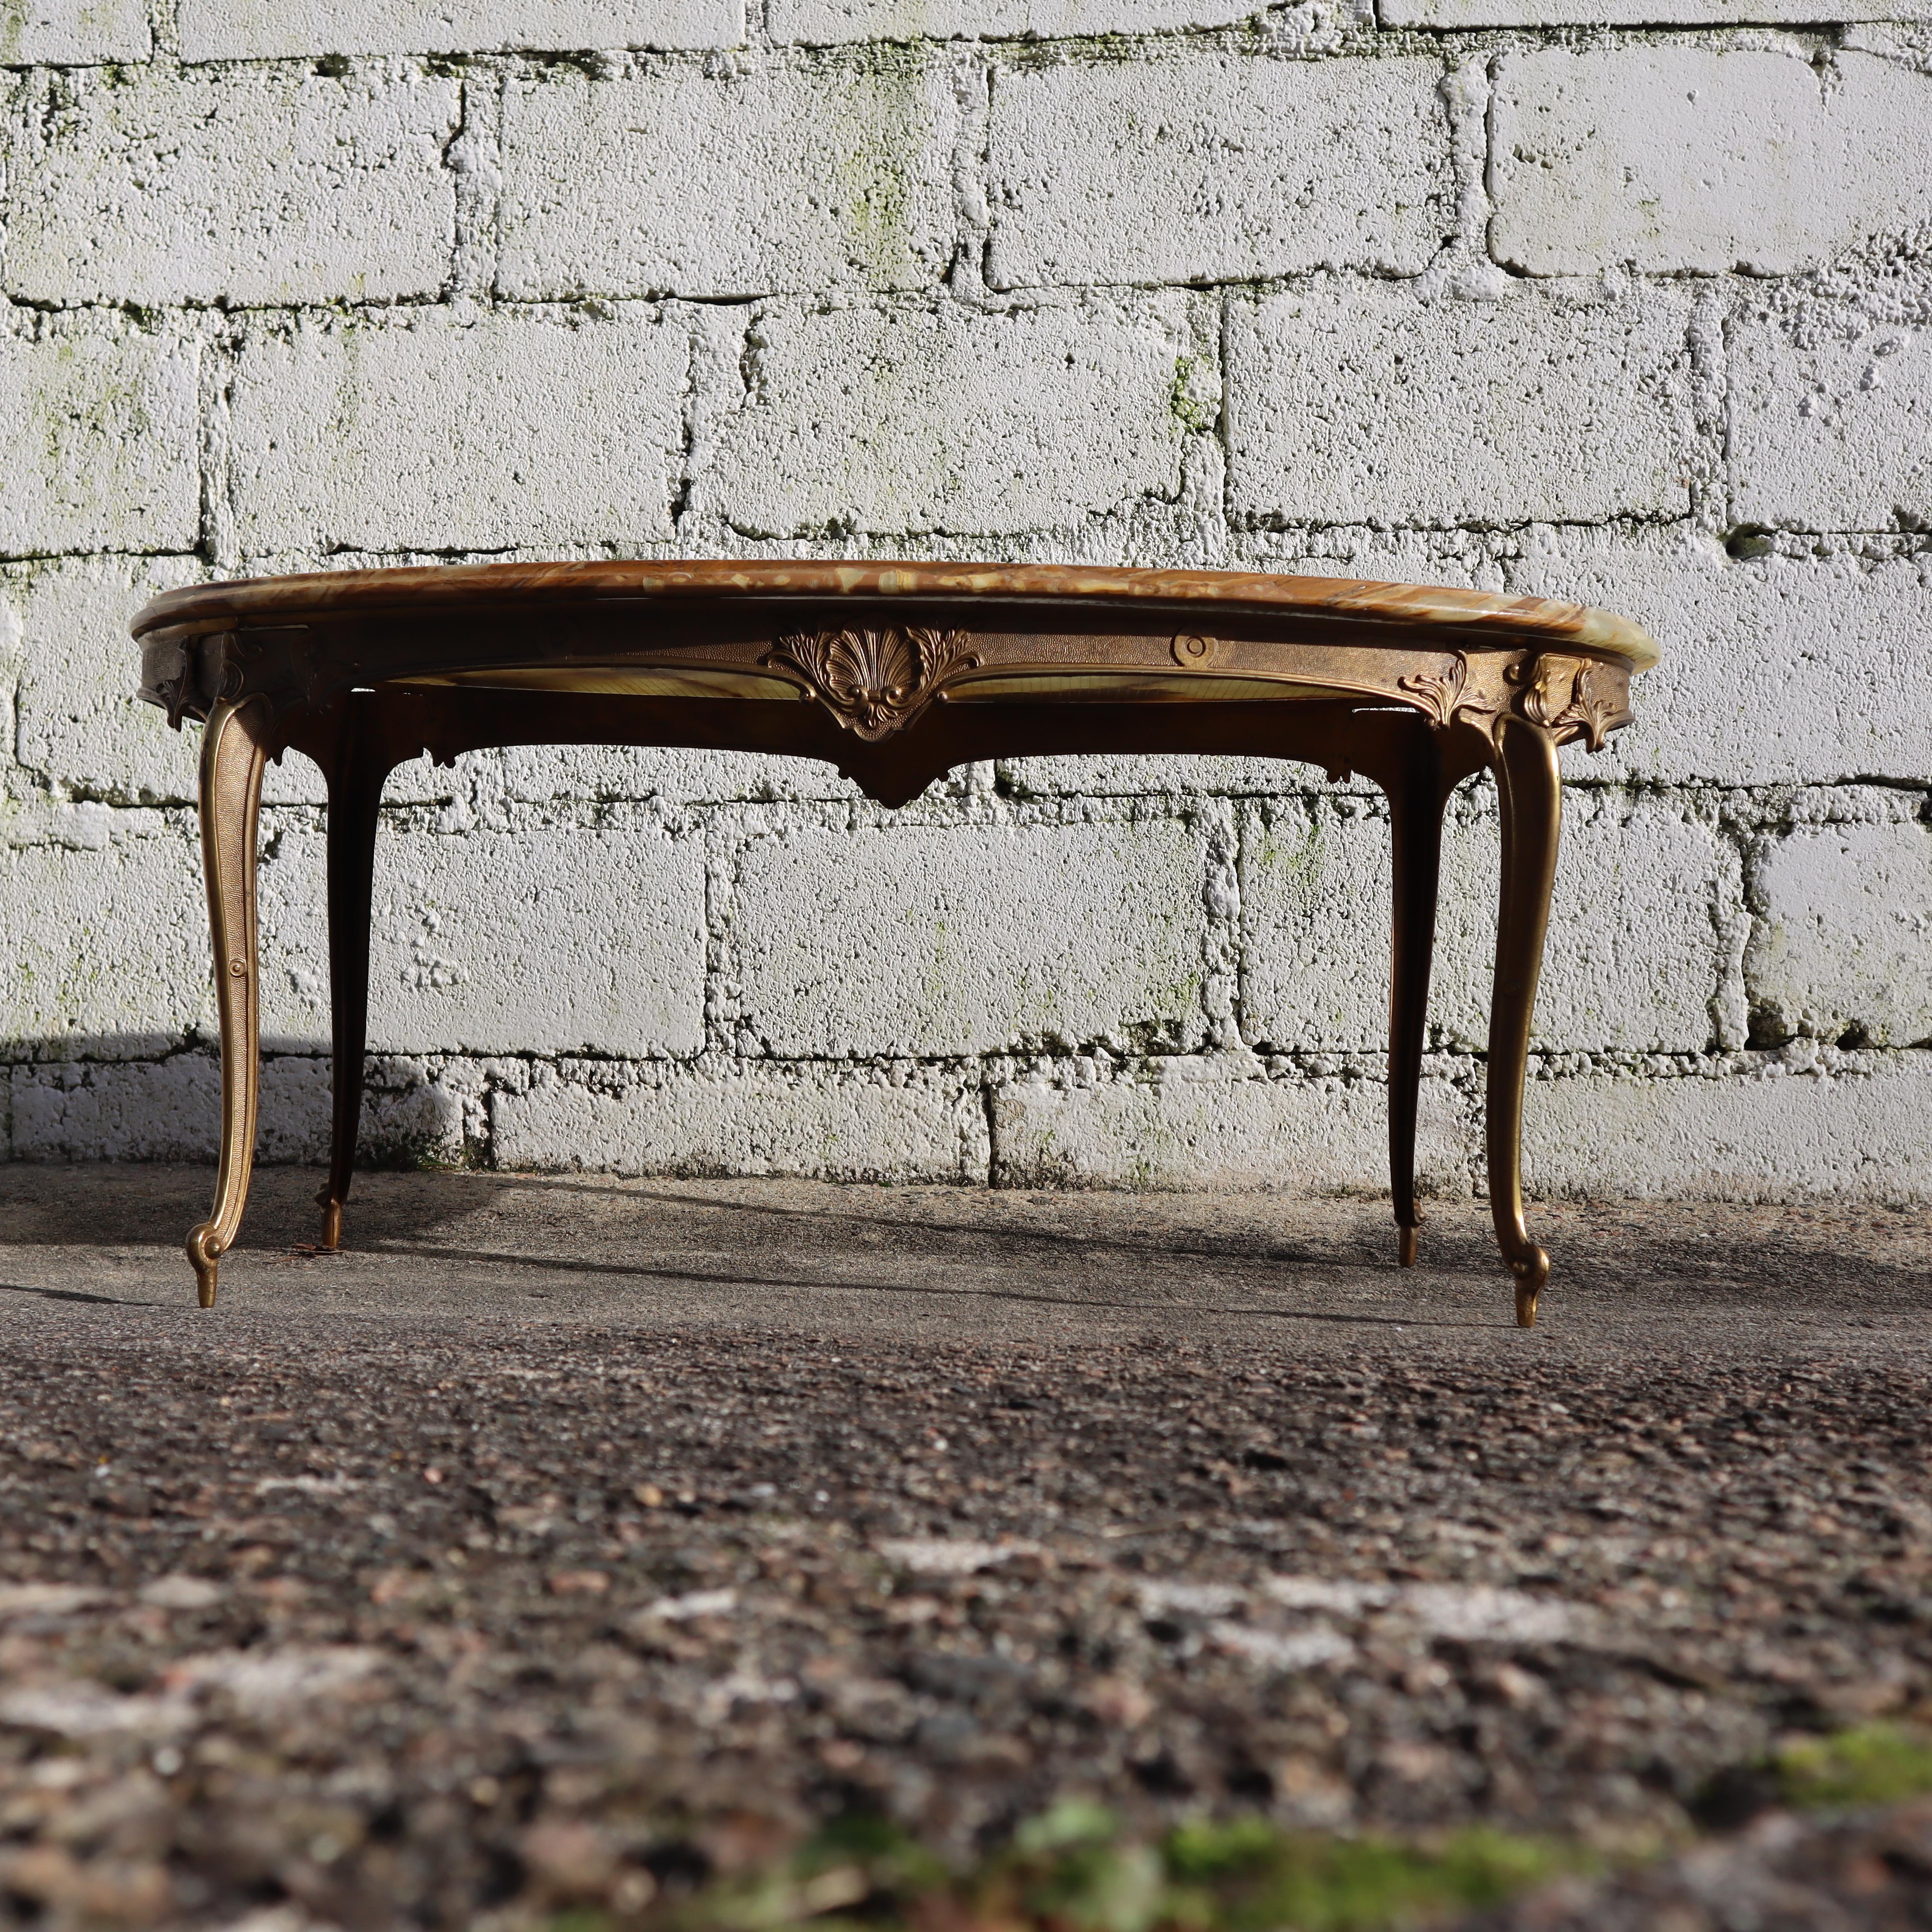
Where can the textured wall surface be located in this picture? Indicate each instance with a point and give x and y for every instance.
(1629, 301)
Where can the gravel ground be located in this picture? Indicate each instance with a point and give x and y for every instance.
(571, 1542)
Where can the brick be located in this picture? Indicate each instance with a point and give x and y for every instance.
(72, 33)
(1831, 422)
(78, 725)
(1842, 942)
(683, 183)
(1216, 167)
(1775, 670)
(103, 925)
(543, 773)
(1690, 158)
(548, 938)
(1134, 774)
(970, 939)
(98, 440)
(831, 1123)
(226, 30)
(1635, 12)
(1353, 403)
(429, 433)
(1214, 1121)
(826, 22)
(903, 420)
(1639, 956)
(257, 185)
(1767, 1133)
(170, 1109)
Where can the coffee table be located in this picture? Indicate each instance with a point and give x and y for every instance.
(895, 673)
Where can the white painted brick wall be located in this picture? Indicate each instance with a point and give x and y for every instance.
(98, 440)
(905, 420)
(877, 1123)
(255, 186)
(425, 430)
(233, 30)
(969, 940)
(74, 33)
(1780, 669)
(1638, 315)
(1226, 169)
(1546, 14)
(1831, 419)
(1220, 1122)
(1708, 160)
(1840, 946)
(542, 938)
(691, 183)
(1315, 897)
(78, 727)
(88, 960)
(824, 22)
(1351, 401)
(168, 1109)
(1767, 1133)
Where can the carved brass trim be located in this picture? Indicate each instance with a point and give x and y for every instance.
(180, 671)
(1437, 690)
(873, 681)
(173, 672)
(1448, 694)
(1566, 695)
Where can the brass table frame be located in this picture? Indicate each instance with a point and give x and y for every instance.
(896, 673)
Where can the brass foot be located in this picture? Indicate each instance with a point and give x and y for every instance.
(1531, 1273)
(203, 1255)
(331, 1222)
(1409, 1241)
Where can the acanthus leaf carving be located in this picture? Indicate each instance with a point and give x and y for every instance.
(182, 672)
(1449, 693)
(873, 681)
(1437, 691)
(172, 680)
(1571, 696)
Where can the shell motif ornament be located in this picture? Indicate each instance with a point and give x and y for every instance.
(873, 681)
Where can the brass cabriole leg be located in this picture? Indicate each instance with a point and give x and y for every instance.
(1416, 802)
(233, 751)
(355, 794)
(1532, 793)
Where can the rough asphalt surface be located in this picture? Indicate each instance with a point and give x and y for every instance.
(569, 1540)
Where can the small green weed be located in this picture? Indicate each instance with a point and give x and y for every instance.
(1247, 1878)
(1072, 1869)
(1872, 1764)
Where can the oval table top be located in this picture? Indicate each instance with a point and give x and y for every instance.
(452, 590)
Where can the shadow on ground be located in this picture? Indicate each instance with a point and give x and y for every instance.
(440, 1246)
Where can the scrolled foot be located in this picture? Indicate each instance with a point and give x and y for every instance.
(331, 1222)
(1531, 1273)
(1408, 1243)
(203, 1255)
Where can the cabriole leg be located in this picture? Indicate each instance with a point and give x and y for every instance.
(1416, 802)
(233, 751)
(1532, 793)
(355, 794)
